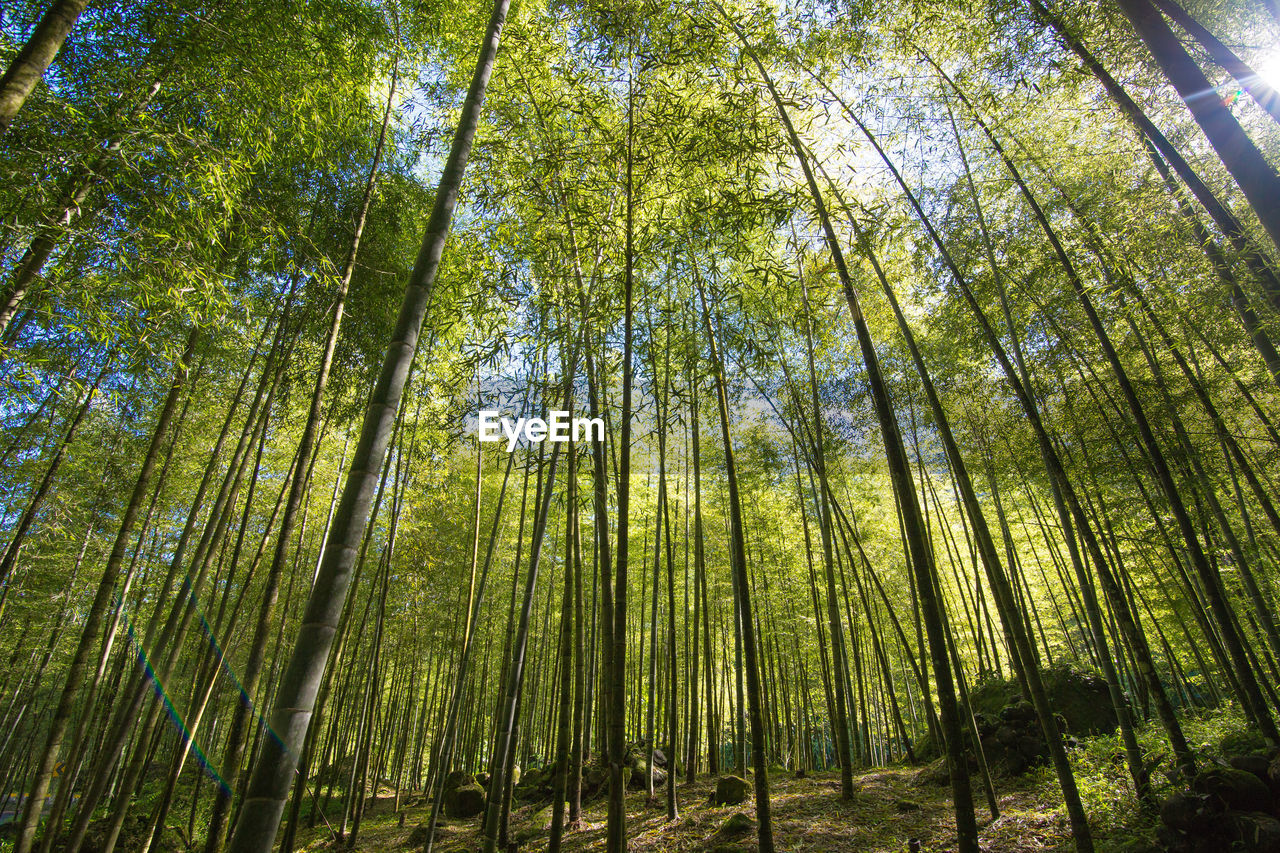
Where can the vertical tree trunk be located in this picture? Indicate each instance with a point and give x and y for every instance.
(673, 668)
(507, 721)
(919, 555)
(233, 752)
(616, 831)
(295, 699)
(840, 720)
(700, 579)
(738, 561)
(568, 639)
(576, 751)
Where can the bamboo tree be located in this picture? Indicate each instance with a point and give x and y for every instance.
(616, 831)
(273, 771)
(27, 68)
(10, 555)
(1226, 221)
(102, 599)
(1208, 577)
(238, 732)
(1253, 83)
(1257, 179)
(738, 559)
(904, 488)
(568, 640)
(505, 748)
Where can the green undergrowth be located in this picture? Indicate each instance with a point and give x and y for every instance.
(889, 809)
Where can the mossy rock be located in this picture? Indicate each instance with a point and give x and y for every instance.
(1241, 741)
(1081, 698)
(536, 777)
(595, 780)
(730, 791)
(1018, 711)
(1238, 789)
(1255, 763)
(736, 824)
(637, 781)
(1192, 813)
(1255, 832)
(458, 779)
(465, 802)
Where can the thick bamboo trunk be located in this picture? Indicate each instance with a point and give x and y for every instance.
(291, 712)
(27, 68)
(1255, 176)
(233, 753)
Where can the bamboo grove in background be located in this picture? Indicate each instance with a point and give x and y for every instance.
(935, 343)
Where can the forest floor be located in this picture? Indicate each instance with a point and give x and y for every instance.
(888, 810)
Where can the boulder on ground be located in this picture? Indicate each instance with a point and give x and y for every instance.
(1080, 697)
(1255, 832)
(465, 802)
(736, 824)
(1239, 790)
(1018, 711)
(1259, 764)
(535, 784)
(595, 780)
(1192, 813)
(1241, 741)
(730, 791)
(637, 782)
(1173, 841)
(457, 779)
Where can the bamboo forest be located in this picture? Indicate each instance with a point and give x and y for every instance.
(724, 425)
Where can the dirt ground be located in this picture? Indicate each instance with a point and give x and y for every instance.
(889, 811)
